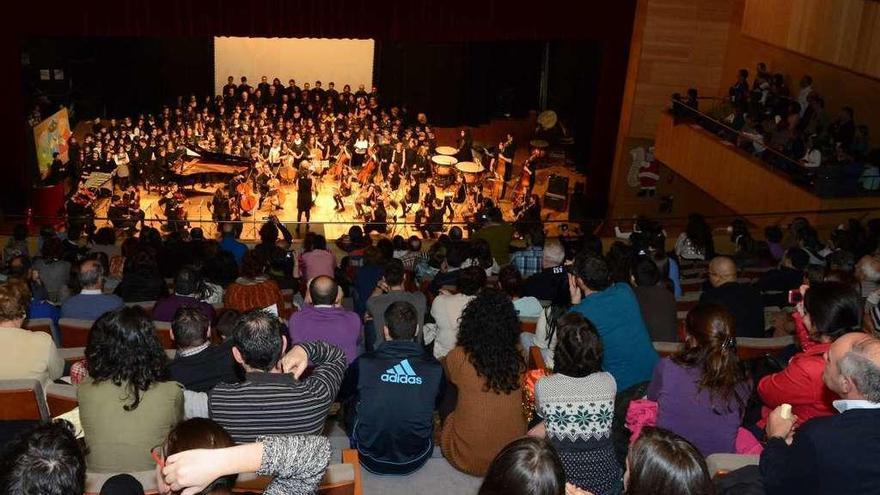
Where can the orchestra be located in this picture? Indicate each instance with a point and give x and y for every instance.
(263, 148)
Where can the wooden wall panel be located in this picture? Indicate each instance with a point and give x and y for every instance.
(845, 33)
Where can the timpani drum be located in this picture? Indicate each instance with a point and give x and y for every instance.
(443, 164)
(470, 171)
(446, 150)
(539, 144)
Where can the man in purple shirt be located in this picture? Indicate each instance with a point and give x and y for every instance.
(187, 285)
(323, 319)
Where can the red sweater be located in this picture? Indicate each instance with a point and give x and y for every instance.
(800, 383)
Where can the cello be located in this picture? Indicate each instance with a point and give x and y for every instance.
(246, 198)
(369, 168)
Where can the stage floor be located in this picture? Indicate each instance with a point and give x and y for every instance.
(324, 218)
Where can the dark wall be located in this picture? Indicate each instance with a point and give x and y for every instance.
(113, 77)
(460, 83)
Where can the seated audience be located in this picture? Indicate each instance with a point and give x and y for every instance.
(450, 268)
(628, 353)
(230, 244)
(742, 300)
(389, 290)
(317, 260)
(414, 255)
(48, 460)
(486, 367)
(701, 393)
(662, 463)
(511, 283)
(272, 399)
(188, 286)
(656, 302)
(580, 389)
(498, 234)
(141, 278)
(529, 260)
(126, 405)
(829, 310)
(324, 319)
(480, 254)
(366, 278)
(526, 466)
(775, 284)
(296, 463)
(833, 454)
(198, 365)
(53, 271)
(91, 302)
(24, 353)
(253, 289)
(399, 439)
(447, 308)
(192, 434)
(695, 243)
(551, 283)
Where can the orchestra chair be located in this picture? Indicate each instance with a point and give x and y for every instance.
(61, 398)
(163, 332)
(754, 348)
(536, 359)
(22, 405)
(339, 479)
(74, 332)
(665, 349)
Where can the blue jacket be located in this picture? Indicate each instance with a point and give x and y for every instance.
(395, 389)
(628, 352)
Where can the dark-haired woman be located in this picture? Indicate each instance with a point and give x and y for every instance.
(662, 463)
(695, 243)
(702, 392)
(486, 367)
(829, 310)
(527, 466)
(577, 404)
(126, 406)
(141, 279)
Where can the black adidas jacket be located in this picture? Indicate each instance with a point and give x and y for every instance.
(395, 390)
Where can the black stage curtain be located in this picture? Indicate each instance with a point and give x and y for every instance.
(460, 83)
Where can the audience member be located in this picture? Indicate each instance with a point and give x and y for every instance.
(91, 302)
(628, 353)
(47, 460)
(366, 278)
(775, 284)
(480, 254)
(272, 400)
(526, 466)
(511, 284)
(580, 389)
(230, 244)
(551, 283)
(742, 300)
(833, 454)
(188, 286)
(447, 308)
(126, 407)
(695, 243)
(393, 440)
(829, 310)
(656, 302)
(486, 368)
(317, 260)
(54, 272)
(662, 463)
(198, 365)
(701, 393)
(389, 290)
(529, 261)
(324, 319)
(498, 234)
(253, 289)
(413, 255)
(141, 278)
(450, 268)
(23, 353)
(192, 434)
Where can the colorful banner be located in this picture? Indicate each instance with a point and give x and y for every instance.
(51, 137)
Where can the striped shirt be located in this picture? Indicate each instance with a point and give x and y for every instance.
(277, 403)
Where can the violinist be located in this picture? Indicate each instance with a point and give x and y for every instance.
(261, 182)
(413, 192)
(343, 190)
(378, 221)
(175, 213)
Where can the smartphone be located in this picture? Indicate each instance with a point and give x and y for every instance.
(795, 297)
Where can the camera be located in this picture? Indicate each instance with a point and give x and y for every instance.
(795, 296)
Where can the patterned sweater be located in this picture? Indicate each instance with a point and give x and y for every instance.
(296, 463)
(577, 414)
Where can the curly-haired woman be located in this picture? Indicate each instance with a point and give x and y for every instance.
(126, 407)
(486, 367)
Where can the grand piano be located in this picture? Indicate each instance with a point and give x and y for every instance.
(197, 161)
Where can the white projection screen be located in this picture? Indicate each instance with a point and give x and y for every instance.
(343, 61)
